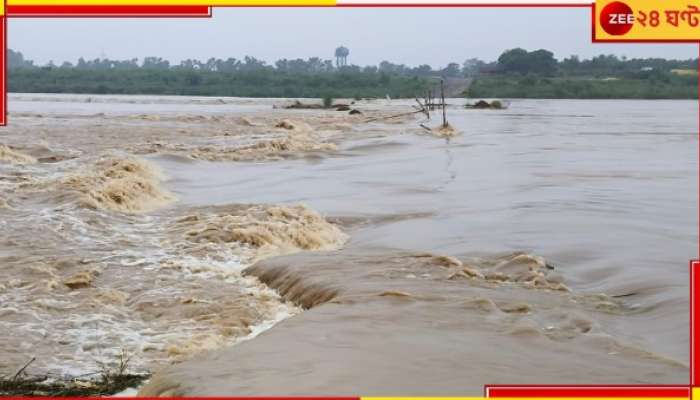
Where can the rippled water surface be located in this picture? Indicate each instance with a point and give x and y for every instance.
(605, 191)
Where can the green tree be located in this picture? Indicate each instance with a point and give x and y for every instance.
(521, 61)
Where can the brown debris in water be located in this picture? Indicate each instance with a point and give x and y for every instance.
(81, 280)
(531, 270)
(297, 105)
(516, 308)
(293, 126)
(445, 131)
(447, 261)
(468, 273)
(43, 386)
(472, 272)
(395, 293)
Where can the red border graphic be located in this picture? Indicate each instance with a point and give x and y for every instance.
(50, 11)
(557, 391)
(3, 71)
(694, 322)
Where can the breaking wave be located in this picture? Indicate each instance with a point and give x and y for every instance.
(286, 147)
(10, 155)
(127, 185)
(256, 231)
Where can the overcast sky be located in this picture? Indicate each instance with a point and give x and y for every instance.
(410, 36)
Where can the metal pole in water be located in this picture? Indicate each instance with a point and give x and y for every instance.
(442, 94)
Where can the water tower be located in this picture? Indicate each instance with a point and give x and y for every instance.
(341, 56)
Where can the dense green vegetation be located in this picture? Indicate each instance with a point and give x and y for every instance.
(654, 86)
(523, 74)
(247, 77)
(261, 83)
(517, 73)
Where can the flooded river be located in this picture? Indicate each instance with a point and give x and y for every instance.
(545, 243)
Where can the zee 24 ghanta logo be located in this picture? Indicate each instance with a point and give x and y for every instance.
(618, 18)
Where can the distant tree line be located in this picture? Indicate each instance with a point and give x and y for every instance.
(543, 63)
(247, 77)
(15, 59)
(537, 74)
(313, 65)
(516, 73)
(514, 61)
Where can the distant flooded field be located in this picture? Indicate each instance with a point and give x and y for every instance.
(233, 247)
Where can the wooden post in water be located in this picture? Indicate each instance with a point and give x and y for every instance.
(442, 95)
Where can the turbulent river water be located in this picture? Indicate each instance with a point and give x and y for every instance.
(546, 232)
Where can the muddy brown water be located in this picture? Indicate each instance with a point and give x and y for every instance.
(547, 243)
